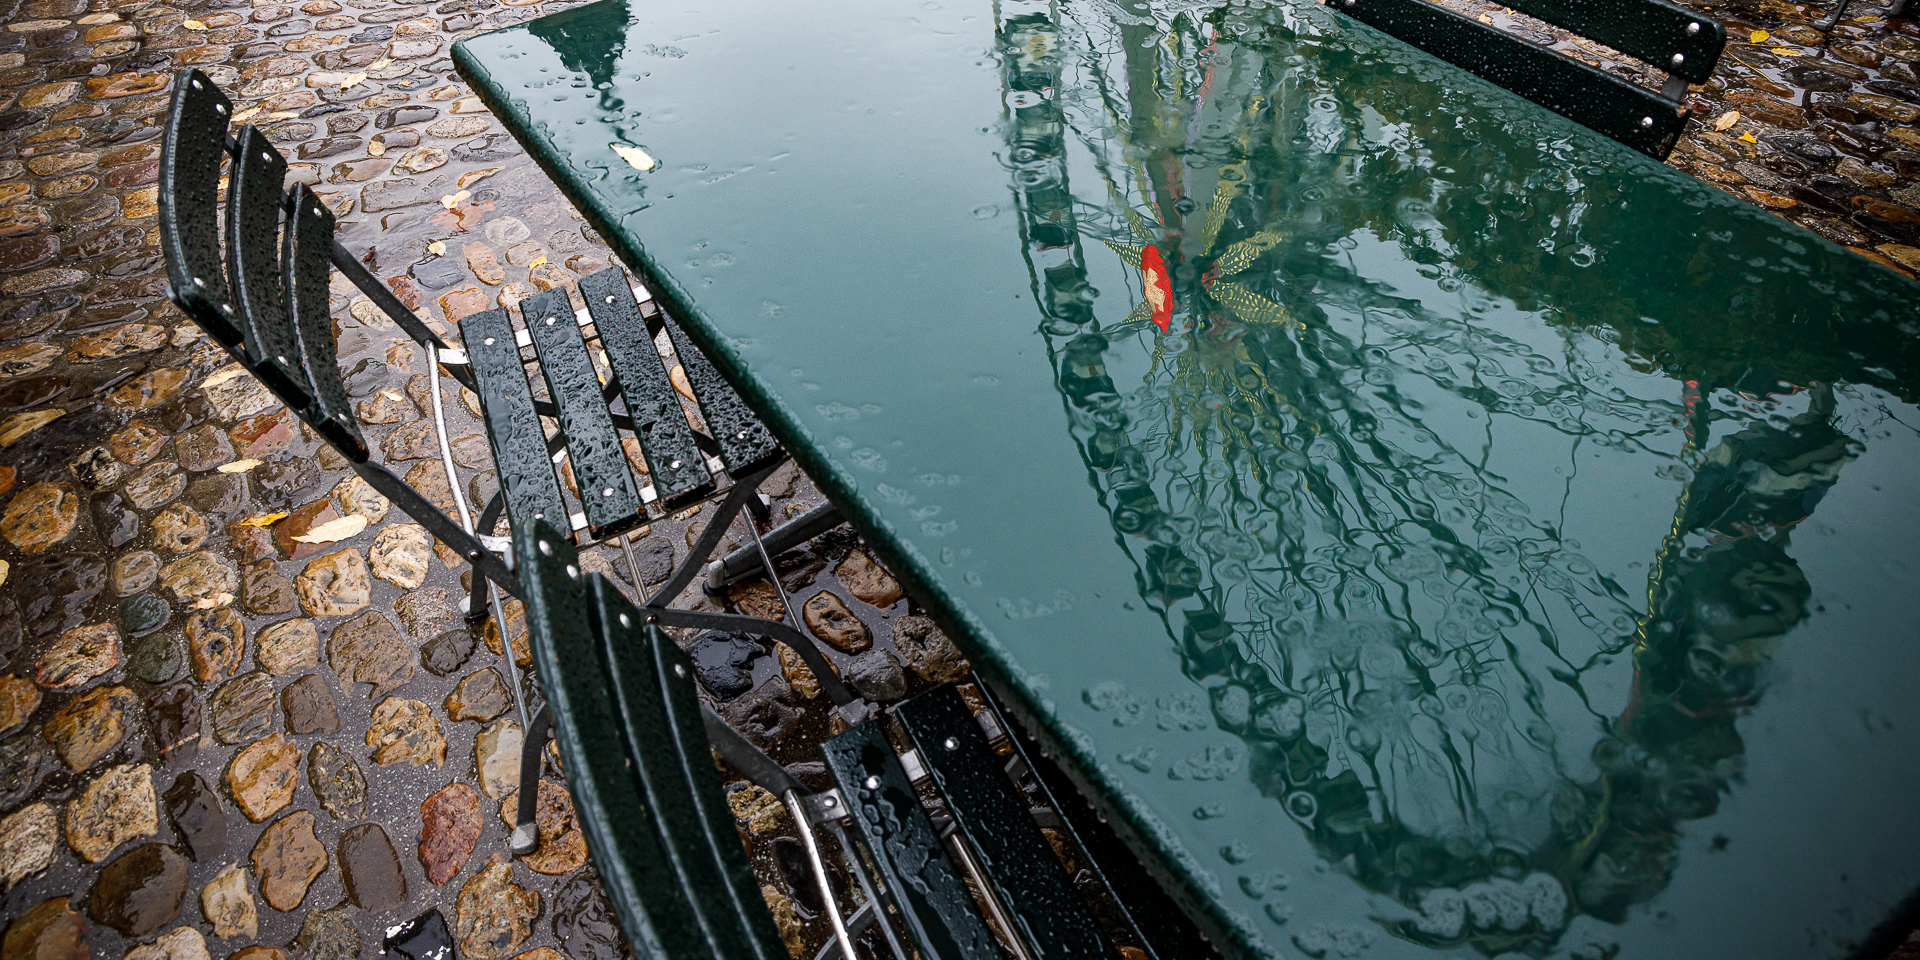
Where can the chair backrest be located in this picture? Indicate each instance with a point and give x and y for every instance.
(265, 296)
(627, 718)
(1669, 38)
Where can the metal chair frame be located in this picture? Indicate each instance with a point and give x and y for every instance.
(264, 299)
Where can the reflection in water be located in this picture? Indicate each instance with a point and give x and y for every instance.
(1315, 473)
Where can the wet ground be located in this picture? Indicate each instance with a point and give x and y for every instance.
(218, 738)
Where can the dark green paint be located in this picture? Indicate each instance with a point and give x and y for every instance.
(1503, 516)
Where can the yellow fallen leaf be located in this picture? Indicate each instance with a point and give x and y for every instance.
(438, 248)
(193, 25)
(239, 466)
(223, 374)
(376, 148)
(283, 115)
(1485, 19)
(1749, 137)
(337, 529)
(638, 158)
(1788, 52)
(353, 80)
(245, 114)
(452, 200)
(264, 520)
(1759, 36)
(536, 261)
(213, 601)
(377, 64)
(19, 425)
(4, 567)
(391, 395)
(1727, 119)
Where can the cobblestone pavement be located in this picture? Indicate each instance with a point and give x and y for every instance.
(239, 714)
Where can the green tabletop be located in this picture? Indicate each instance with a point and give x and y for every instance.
(1426, 526)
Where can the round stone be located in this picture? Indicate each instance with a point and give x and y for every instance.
(142, 614)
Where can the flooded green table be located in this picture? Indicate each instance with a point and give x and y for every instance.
(1428, 527)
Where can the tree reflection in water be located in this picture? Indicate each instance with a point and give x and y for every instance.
(1301, 466)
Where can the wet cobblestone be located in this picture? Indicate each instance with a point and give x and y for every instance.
(239, 716)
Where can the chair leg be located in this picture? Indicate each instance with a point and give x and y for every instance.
(1830, 20)
(526, 832)
(742, 562)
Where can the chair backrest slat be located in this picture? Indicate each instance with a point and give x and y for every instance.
(305, 274)
(653, 690)
(608, 495)
(621, 827)
(938, 911)
(191, 151)
(1020, 865)
(519, 444)
(254, 197)
(744, 441)
(666, 439)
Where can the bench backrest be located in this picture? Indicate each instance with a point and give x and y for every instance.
(1668, 37)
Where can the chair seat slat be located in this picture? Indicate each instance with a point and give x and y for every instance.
(679, 471)
(744, 441)
(621, 827)
(254, 269)
(1020, 865)
(610, 497)
(887, 816)
(519, 444)
(652, 684)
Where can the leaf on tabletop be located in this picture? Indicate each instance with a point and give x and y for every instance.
(239, 466)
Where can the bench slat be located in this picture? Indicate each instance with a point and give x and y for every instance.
(307, 271)
(1017, 860)
(620, 827)
(939, 912)
(744, 440)
(1633, 115)
(679, 471)
(253, 245)
(519, 444)
(609, 496)
(653, 684)
(191, 150)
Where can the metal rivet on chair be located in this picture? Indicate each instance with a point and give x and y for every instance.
(679, 671)
(546, 549)
(573, 572)
(488, 341)
(1679, 58)
(196, 83)
(873, 783)
(200, 282)
(608, 492)
(626, 621)
(550, 321)
(1646, 123)
(1692, 28)
(674, 465)
(951, 743)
